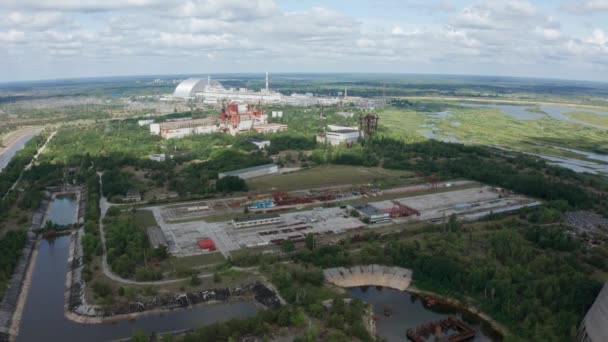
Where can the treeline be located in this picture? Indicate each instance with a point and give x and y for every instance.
(197, 178)
(11, 246)
(10, 174)
(514, 171)
(542, 295)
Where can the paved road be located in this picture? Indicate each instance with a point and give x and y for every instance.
(104, 205)
(29, 166)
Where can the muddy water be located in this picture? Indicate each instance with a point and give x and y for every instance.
(44, 320)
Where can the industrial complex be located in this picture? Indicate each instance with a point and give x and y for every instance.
(234, 119)
(212, 92)
(327, 213)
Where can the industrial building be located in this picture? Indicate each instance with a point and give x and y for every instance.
(594, 327)
(234, 119)
(213, 92)
(251, 172)
(337, 135)
(180, 129)
(373, 214)
(258, 220)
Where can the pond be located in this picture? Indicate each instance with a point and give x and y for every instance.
(44, 320)
(408, 311)
(63, 210)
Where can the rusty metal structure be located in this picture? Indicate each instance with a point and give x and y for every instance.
(401, 210)
(233, 115)
(368, 124)
(461, 331)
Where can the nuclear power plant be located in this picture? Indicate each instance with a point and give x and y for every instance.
(234, 119)
(212, 92)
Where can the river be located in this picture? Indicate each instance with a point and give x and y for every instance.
(9, 153)
(44, 320)
(408, 311)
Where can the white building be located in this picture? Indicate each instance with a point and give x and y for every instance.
(213, 92)
(180, 129)
(336, 135)
(258, 220)
(158, 157)
(251, 172)
(145, 122)
(260, 143)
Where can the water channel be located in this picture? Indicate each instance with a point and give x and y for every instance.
(408, 311)
(63, 210)
(44, 320)
(10, 152)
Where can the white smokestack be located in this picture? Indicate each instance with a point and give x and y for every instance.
(266, 80)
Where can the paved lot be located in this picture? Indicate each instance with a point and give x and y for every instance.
(472, 202)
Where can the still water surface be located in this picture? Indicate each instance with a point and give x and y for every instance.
(409, 312)
(62, 210)
(43, 316)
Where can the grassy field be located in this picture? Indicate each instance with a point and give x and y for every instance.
(329, 176)
(402, 124)
(144, 219)
(490, 126)
(594, 119)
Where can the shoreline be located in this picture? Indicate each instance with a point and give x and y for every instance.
(466, 307)
(25, 290)
(12, 138)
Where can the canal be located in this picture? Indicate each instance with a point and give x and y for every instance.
(10, 152)
(43, 316)
(63, 210)
(409, 311)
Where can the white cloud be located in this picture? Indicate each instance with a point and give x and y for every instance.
(598, 37)
(81, 5)
(153, 36)
(585, 7)
(12, 36)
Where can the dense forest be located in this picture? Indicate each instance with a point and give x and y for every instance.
(11, 246)
(502, 268)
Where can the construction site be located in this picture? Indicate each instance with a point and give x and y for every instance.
(267, 220)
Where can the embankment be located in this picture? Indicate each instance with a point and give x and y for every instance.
(371, 275)
(16, 291)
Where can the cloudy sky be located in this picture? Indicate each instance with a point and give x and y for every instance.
(45, 39)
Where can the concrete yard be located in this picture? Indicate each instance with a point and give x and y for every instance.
(468, 204)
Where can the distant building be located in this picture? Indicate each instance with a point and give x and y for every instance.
(251, 172)
(261, 144)
(258, 220)
(132, 196)
(373, 214)
(180, 129)
(213, 92)
(158, 157)
(337, 135)
(346, 114)
(145, 122)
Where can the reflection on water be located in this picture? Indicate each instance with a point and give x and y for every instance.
(43, 316)
(408, 311)
(62, 210)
